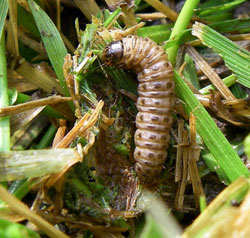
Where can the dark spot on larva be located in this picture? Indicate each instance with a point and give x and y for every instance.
(143, 73)
(130, 37)
(154, 118)
(152, 109)
(168, 85)
(147, 164)
(157, 48)
(143, 101)
(144, 86)
(150, 127)
(146, 39)
(155, 93)
(150, 155)
(165, 119)
(139, 153)
(149, 144)
(160, 156)
(157, 85)
(139, 135)
(141, 117)
(152, 137)
(157, 103)
(163, 138)
(245, 108)
(128, 49)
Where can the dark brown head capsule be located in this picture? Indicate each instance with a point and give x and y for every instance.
(113, 53)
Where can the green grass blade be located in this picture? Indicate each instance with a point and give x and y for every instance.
(160, 223)
(247, 146)
(190, 71)
(238, 91)
(158, 33)
(225, 156)
(222, 27)
(3, 13)
(228, 81)
(52, 41)
(14, 230)
(112, 17)
(216, 9)
(236, 58)
(180, 25)
(4, 99)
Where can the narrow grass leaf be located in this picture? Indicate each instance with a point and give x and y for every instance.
(52, 41)
(222, 27)
(4, 98)
(190, 71)
(3, 13)
(228, 81)
(222, 7)
(112, 17)
(235, 57)
(180, 25)
(16, 165)
(158, 33)
(225, 156)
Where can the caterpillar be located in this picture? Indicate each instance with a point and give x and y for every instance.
(155, 103)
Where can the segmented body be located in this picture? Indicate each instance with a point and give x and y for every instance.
(155, 102)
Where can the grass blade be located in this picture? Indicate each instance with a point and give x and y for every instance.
(52, 41)
(222, 7)
(180, 25)
(225, 156)
(158, 33)
(236, 58)
(3, 13)
(4, 99)
(16, 165)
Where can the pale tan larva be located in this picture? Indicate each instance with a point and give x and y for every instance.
(155, 102)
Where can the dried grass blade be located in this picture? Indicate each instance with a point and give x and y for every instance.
(159, 6)
(83, 125)
(215, 79)
(88, 8)
(20, 208)
(6, 111)
(39, 78)
(12, 39)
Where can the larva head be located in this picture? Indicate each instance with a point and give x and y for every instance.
(113, 53)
